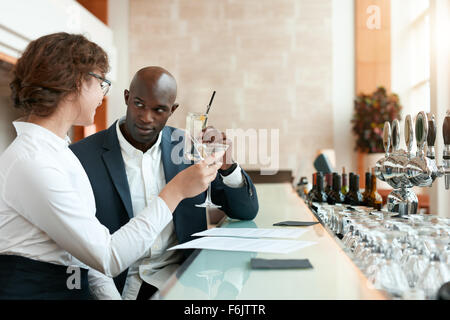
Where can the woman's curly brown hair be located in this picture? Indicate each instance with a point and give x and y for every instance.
(52, 67)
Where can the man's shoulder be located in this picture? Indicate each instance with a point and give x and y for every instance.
(173, 129)
(93, 141)
(172, 133)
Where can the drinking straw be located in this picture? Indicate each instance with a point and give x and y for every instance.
(207, 109)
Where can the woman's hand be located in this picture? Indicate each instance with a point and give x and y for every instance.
(190, 182)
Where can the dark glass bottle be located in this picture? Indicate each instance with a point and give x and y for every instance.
(321, 195)
(311, 192)
(367, 189)
(375, 199)
(318, 195)
(336, 195)
(354, 196)
(328, 183)
(344, 188)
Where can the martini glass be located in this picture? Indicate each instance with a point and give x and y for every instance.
(196, 150)
(216, 150)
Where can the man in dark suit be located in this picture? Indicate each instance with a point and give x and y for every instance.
(129, 163)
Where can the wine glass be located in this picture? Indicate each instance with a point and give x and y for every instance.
(436, 272)
(209, 149)
(195, 149)
(212, 278)
(387, 273)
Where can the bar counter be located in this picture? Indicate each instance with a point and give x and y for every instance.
(212, 274)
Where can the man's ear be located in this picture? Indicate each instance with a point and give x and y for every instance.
(174, 107)
(126, 95)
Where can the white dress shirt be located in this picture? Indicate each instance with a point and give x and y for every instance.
(47, 211)
(145, 174)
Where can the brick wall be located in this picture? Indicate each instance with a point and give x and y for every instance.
(269, 61)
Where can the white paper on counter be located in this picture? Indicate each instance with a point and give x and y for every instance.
(243, 244)
(253, 232)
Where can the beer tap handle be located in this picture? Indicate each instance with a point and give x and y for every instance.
(446, 129)
(421, 131)
(395, 135)
(409, 134)
(431, 137)
(387, 137)
(446, 153)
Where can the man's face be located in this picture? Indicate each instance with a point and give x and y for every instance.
(147, 113)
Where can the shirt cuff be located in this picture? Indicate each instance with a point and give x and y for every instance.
(235, 179)
(102, 287)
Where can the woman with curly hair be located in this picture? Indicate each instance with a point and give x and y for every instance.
(51, 244)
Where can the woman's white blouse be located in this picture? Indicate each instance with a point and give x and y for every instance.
(47, 208)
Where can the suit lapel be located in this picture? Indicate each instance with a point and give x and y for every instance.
(172, 145)
(116, 168)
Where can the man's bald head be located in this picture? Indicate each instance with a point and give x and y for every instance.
(150, 102)
(155, 79)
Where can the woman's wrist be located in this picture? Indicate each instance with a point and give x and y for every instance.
(171, 195)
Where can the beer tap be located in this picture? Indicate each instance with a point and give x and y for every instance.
(379, 166)
(446, 154)
(399, 159)
(401, 170)
(421, 169)
(431, 138)
(391, 169)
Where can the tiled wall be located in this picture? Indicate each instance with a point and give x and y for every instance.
(269, 61)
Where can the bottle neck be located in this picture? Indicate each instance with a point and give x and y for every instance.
(368, 181)
(373, 185)
(337, 183)
(344, 180)
(329, 179)
(320, 183)
(354, 183)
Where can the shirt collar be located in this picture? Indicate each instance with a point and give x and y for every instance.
(128, 148)
(37, 131)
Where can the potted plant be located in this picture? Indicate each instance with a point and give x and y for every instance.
(370, 113)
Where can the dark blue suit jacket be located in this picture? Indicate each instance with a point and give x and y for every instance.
(102, 160)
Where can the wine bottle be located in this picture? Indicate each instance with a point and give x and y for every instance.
(321, 195)
(344, 188)
(311, 192)
(318, 194)
(366, 193)
(354, 196)
(329, 183)
(336, 195)
(375, 199)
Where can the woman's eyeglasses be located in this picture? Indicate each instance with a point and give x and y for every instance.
(104, 84)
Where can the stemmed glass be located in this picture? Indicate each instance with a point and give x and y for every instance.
(212, 278)
(208, 149)
(388, 274)
(436, 272)
(196, 150)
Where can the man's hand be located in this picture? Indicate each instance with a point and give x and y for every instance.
(210, 135)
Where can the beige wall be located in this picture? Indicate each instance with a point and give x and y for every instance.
(7, 111)
(269, 61)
